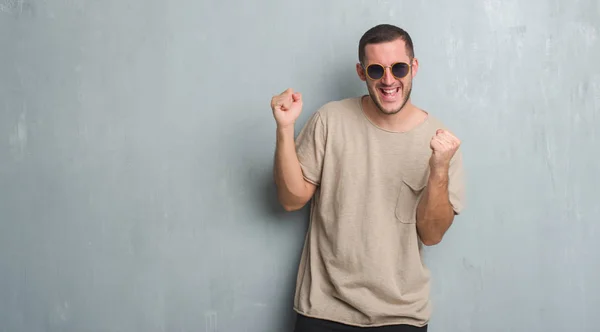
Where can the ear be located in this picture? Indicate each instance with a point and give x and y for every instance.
(415, 67)
(361, 72)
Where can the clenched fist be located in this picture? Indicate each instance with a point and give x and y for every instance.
(444, 146)
(286, 107)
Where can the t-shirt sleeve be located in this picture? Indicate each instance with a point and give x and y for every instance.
(310, 148)
(456, 182)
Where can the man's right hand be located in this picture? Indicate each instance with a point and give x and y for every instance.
(293, 190)
(286, 107)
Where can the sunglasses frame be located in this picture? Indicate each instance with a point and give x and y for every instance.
(385, 68)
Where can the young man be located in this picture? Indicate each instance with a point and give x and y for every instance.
(385, 177)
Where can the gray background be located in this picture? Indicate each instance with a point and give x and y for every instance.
(136, 144)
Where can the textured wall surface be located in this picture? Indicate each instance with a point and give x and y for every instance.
(136, 144)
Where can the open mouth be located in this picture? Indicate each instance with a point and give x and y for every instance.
(389, 94)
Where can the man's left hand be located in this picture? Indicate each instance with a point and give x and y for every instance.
(444, 145)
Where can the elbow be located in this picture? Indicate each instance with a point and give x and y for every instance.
(291, 206)
(294, 201)
(431, 232)
(431, 241)
(430, 237)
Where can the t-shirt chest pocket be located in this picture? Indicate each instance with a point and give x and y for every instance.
(411, 189)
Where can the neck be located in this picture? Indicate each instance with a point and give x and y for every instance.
(408, 118)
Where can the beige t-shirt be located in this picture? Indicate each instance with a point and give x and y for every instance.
(361, 263)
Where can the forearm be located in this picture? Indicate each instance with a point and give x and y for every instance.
(434, 212)
(291, 186)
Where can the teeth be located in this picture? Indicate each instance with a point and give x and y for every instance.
(389, 91)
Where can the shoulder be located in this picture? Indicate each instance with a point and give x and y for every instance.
(337, 114)
(328, 114)
(333, 109)
(434, 123)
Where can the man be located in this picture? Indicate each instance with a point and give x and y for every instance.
(384, 177)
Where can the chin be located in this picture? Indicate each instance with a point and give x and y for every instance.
(390, 111)
(389, 108)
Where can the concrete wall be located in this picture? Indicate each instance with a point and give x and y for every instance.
(136, 144)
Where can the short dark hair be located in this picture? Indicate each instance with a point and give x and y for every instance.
(383, 33)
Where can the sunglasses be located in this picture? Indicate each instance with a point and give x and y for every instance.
(376, 71)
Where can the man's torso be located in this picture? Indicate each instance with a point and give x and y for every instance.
(361, 263)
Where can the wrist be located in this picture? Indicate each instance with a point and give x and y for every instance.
(285, 128)
(438, 174)
(285, 132)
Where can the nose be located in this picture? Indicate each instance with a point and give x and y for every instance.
(388, 78)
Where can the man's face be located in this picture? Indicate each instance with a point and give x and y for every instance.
(389, 93)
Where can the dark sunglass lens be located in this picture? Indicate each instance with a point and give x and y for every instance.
(375, 71)
(400, 69)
